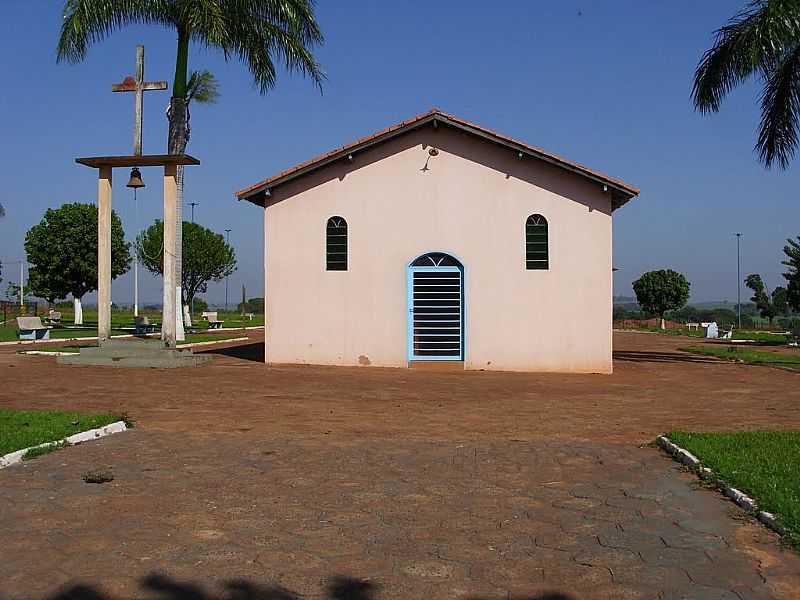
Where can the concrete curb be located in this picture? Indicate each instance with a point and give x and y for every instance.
(706, 474)
(15, 457)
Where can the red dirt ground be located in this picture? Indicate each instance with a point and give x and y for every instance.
(654, 389)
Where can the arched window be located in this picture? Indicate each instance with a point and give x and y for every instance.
(536, 253)
(336, 244)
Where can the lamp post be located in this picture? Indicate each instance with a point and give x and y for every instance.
(193, 204)
(227, 241)
(738, 281)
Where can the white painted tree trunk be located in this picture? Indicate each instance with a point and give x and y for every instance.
(187, 315)
(76, 304)
(663, 323)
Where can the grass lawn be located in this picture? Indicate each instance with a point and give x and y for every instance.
(762, 337)
(122, 322)
(764, 465)
(21, 429)
(747, 355)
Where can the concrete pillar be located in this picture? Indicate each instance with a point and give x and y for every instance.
(168, 321)
(104, 255)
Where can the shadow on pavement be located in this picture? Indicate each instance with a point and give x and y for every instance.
(253, 352)
(662, 357)
(167, 588)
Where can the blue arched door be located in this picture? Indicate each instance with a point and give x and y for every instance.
(435, 308)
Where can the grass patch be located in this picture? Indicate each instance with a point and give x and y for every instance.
(762, 337)
(42, 450)
(747, 355)
(22, 429)
(764, 465)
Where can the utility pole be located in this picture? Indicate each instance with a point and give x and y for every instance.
(193, 204)
(227, 241)
(738, 281)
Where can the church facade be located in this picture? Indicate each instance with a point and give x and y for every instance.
(437, 242)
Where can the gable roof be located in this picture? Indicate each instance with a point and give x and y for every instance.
(621, 192)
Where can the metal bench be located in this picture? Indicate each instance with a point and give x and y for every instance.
(143, 326)
(213, 321)
(32, 328)
(54, 317)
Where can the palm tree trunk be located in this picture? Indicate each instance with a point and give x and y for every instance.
(178, 138)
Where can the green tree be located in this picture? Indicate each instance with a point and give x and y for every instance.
(792, 275)
(62, 251)
(206, 256)
(764, 300)
(660, 291)
(763, 41)
(780, 300)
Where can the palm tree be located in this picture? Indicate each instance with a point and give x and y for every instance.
(763, 40)
(257, 32)
(204, 89)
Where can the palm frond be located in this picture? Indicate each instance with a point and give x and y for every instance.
(751, 42)
(203, 87)
(87, 22)
(259, 32)
(780, 111)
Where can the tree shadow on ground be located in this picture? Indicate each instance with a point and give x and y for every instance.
(663, 357)
(162, 587)
(252, 352)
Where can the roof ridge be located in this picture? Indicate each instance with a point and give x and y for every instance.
(625, 189)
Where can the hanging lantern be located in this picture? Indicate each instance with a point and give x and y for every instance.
(135, 180)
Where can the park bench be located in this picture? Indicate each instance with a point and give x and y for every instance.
(143, 326)
(249, 315)
(213, 321)
(31, 328)
(54, 317)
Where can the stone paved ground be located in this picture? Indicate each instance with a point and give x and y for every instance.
(244, 483)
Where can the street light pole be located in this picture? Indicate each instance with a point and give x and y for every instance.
(193, 204)
(738, 281)
(227, 241)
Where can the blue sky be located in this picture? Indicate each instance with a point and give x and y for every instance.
(603, 83)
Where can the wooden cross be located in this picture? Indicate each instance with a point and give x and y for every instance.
(138, 86)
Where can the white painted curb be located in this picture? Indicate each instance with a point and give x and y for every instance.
(15, 457)
(212, 342)
(740, 498)
(91, 338)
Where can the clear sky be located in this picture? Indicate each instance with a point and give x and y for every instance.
(605, 83)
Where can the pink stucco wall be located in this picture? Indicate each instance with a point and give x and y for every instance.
(472, 201)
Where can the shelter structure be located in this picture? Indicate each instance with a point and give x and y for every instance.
(438, 242)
